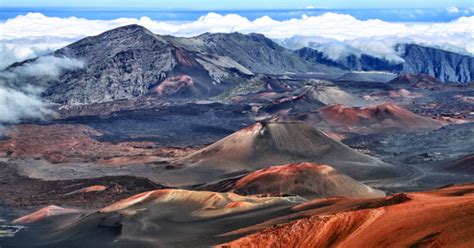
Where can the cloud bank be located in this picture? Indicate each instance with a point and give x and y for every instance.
(28, 35)
(19, 95)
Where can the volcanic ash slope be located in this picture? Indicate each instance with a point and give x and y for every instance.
(274, 143)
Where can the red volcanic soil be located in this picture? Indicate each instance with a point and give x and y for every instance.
(93, 188)
(439, 218)
(462, 165)
(173, 84)
(77, 143)
(384, 117)
(184, 58)
(43, 213)
(308, 180)
(261, 97)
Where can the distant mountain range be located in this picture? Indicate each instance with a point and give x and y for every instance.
(132, 61)
(444, 65)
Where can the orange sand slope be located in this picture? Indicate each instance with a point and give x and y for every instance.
(46, 212)
(439, 218)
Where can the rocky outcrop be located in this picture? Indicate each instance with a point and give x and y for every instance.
(444, 65)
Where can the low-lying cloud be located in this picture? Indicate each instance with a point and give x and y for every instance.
(16, 105)
(45, 66)
(19, 92)
(335, 34)
(19, 49)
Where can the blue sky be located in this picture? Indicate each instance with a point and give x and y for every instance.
(240, 4)
(185, 10)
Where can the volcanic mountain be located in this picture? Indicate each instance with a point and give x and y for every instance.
(131, 61)
(272, 143)
(308, 180)
(386, 117)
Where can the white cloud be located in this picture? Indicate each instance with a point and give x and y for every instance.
(46, 66)
(452, 10)
(39, 33)
(15, 105)
(19, 49)
(19, 97)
